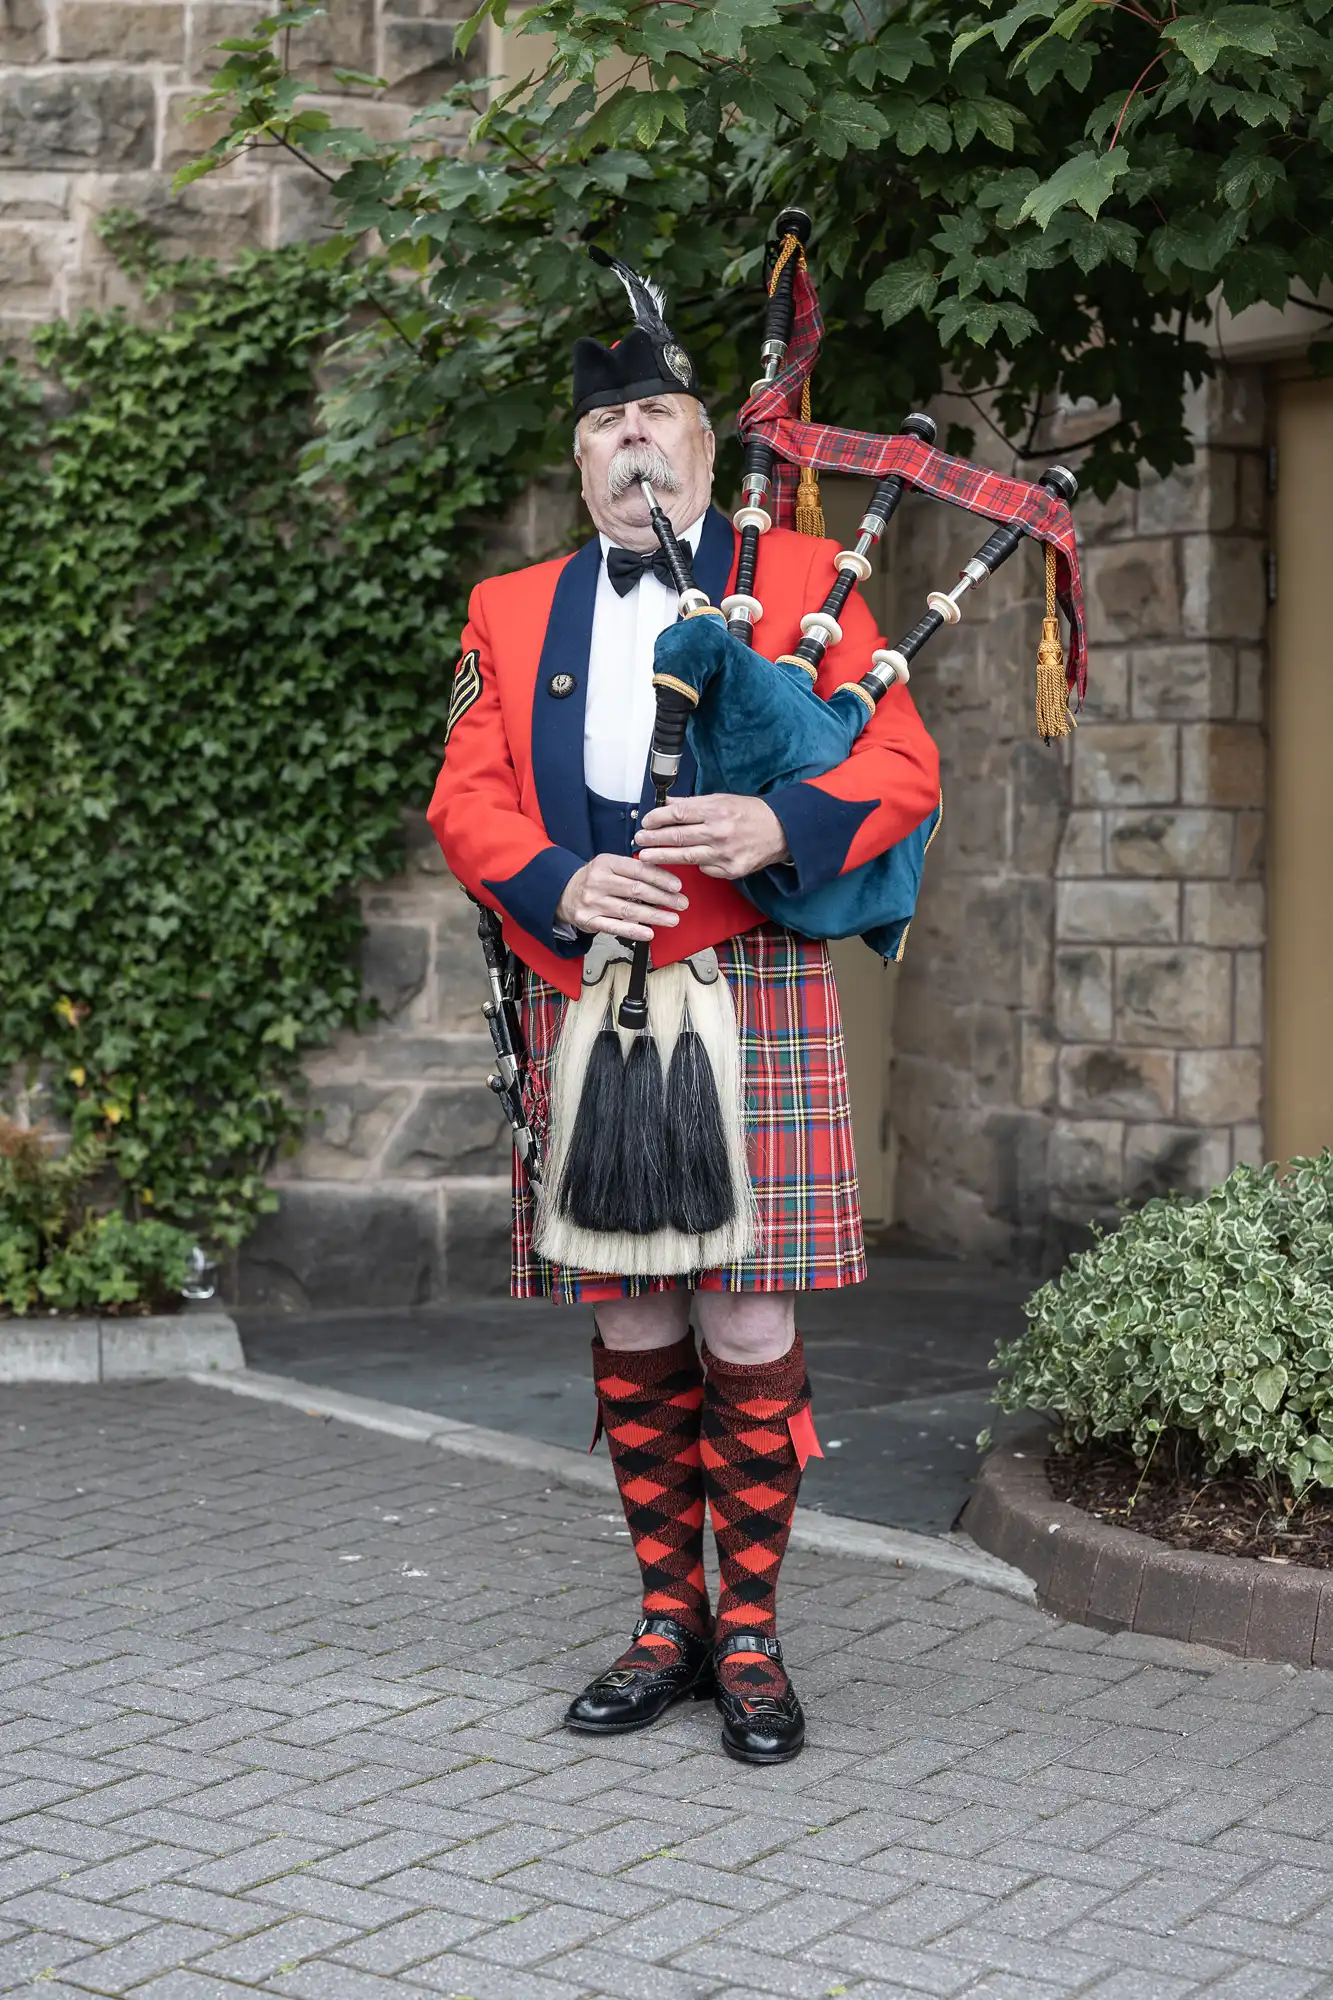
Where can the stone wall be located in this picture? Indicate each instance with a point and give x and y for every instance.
(93, 97)
(1079, 1012)
(401, 1190)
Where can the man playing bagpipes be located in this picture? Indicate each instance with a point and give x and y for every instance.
(685, 1129)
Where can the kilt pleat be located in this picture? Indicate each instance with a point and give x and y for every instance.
(802, 1159)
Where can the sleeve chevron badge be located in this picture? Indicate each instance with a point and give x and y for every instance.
(466, 691)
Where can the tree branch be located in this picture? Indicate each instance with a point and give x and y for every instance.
(1129, 100)
(304, 158)
(1027, 451)
(1028, 448)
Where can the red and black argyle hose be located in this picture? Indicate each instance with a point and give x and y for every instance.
(756, 1436)
(649, 1406)
(771, 414)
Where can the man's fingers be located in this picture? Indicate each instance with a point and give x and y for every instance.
(695, 857)
(642, 897)
(639, 873)
(628, 917)
(670, 841)
(679, 812)
(619, 927)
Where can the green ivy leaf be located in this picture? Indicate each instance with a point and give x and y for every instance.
(230, 678)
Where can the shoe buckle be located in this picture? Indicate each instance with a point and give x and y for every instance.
(639, 1629)
(754, 1642)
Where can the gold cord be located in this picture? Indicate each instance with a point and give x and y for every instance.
(809, 513)
(790, 247)
(1053, 717)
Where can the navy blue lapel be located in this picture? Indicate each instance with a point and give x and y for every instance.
(717, 547)
(712, 571)
(557, 721)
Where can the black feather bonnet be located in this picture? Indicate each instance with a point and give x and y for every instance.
(647, 361)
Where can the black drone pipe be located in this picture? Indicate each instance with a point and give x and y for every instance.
(892, 664)
(742, 608)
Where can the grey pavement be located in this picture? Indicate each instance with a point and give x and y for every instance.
(900, 1368)
(279, 1713)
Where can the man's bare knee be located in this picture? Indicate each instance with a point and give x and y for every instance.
(747, 1326)
(657, 1319)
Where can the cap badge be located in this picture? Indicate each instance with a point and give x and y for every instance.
(678, 361)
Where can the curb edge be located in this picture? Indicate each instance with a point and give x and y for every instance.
(957, 1556)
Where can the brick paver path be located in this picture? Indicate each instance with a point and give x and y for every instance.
(279, 1713)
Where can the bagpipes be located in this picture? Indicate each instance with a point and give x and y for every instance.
(648, 1173)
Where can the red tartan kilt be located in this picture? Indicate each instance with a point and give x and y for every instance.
(802, 1159)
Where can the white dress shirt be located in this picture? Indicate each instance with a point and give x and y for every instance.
(618, 718)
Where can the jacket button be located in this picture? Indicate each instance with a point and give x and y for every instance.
(561, 685)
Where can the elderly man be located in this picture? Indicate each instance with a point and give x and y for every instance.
(544, 812)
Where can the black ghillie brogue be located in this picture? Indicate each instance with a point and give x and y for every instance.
(762, 1720)
(646, 1681)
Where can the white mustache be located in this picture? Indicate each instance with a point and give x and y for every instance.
(639, 461)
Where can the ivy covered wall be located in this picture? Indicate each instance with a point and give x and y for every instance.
(222, 684)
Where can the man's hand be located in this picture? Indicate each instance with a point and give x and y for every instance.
(720, 832)
(623, 895)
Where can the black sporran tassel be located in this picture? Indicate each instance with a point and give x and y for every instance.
(643, 1176)
(590, 1189)
(700, 1192)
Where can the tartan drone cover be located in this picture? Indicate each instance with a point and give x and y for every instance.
(802, 1159)
(768, 414)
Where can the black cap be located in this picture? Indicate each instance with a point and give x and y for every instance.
(648, 361)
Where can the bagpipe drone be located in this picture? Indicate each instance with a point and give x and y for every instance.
(647, 1172)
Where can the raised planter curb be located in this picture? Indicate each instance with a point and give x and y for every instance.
(1119, 1581)
(830, 1534)
(118, 1350)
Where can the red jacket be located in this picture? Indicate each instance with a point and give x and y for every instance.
(511, 808)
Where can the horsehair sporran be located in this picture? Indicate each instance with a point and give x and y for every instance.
(695, 1037)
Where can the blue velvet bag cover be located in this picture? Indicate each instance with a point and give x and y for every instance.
(760, 725)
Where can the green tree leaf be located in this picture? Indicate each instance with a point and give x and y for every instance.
(903, 288)
(1201, 38)
(1087, 181)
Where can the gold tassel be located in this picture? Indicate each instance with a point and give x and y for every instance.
(809, 513)
(1053, 717)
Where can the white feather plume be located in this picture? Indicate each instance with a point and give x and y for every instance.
(646, 297)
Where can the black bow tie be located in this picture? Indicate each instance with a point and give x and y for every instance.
(626, 567)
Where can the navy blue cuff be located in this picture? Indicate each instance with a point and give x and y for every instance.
(820, 831)
(530, 898)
